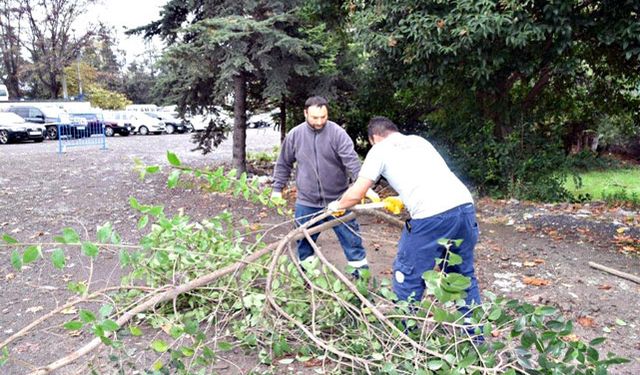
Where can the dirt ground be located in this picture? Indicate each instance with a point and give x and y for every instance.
(521, 244)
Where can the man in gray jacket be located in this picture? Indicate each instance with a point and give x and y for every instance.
(326, 162)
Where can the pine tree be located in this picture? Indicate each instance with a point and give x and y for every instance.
(222, 49)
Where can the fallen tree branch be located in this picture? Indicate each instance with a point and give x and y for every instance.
(381, 215)
(613, 271)
(173, 292)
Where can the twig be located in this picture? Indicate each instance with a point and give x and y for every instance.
(613, 271)
(41, 319)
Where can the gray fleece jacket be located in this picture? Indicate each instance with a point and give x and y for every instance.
(326, 161)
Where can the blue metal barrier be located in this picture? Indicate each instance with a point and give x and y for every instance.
(89, 132)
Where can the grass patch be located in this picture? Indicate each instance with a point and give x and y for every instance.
(613, 185)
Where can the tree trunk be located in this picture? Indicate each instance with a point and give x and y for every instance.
(239, 153)
(283, 118)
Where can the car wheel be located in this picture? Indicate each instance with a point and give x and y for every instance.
(52, 132)
(108, 131)
(143, 130)
(170, 129)
(4, 137)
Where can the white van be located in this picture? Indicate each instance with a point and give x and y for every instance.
(4, 93)
(141, 122)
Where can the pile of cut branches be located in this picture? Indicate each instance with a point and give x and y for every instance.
(215, 285)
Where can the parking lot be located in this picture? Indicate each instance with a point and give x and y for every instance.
(42, 191)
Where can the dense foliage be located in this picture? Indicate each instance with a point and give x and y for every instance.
(507, 89)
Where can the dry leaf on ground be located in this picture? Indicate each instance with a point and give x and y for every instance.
(586, 321)
(535, 281)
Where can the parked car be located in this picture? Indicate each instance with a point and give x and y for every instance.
(56, 121)
(140, 122)
(4, 93)
(15, 128)
(172, 123)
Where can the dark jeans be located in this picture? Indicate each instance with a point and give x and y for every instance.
(418, 249)
(348, 234)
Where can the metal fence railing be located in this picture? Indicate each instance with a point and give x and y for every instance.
(88, 133)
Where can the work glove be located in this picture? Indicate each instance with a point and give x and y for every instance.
(334, 209)
(276, 198)
(372, 195)
(393, 205)
(276, 195)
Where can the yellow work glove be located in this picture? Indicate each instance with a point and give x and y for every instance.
(393, 205)
(372, 196)
(334, 209)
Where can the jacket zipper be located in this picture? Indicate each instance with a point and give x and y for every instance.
(315, 154)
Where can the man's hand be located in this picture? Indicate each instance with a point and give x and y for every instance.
(372, 195)
(276, 198)
(334, 209)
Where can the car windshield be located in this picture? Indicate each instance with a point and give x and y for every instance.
(10, 118)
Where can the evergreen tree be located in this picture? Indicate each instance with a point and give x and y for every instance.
(226, 49)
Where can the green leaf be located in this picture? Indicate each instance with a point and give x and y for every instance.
(224, 346)
(173, 158)
(435, 364)
(104, 232)
(58, 259)
(597, 341)
(135, 331)
(110, 325)
(186, 351)
(619, 322)
(134, 203)
(87, 316)
(105, 310)
(70, 235)
(173, 179)
(152, 169)
(159, 346)
(8, 239)
(454, 259)
(156, 211)
(125, 258)
(143, 221)
(31, 254)
(89, 249)
(337, 286)
(73, 325)
(528, 338)
(495, 314)
(16, 260)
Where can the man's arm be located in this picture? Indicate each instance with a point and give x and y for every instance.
(283, 166)
(355, 193)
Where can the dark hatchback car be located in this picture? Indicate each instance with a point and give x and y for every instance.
(15, 128)
(56, 121)
(93, 121)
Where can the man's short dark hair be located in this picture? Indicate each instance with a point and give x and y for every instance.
(316, 101)
(380, 126)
